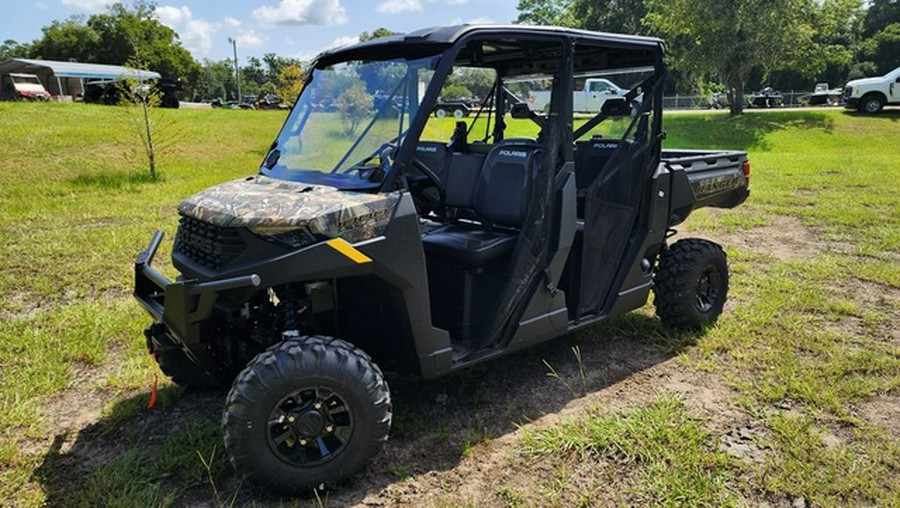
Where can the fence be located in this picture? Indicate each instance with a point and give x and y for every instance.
(790, 99)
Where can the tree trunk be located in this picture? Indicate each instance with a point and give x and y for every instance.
(736, 92)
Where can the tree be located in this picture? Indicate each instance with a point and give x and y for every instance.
(546, 12)
(68, 40)
(618, 16)
(728, 40)
(378, 32)
(139, 101)
(12, 49)
(879, 15)
(883, 49)
(290, 81)
(112, 38)
(354, 105)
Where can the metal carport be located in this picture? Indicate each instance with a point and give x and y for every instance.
(67, 78)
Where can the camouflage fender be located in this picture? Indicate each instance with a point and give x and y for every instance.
(261, 202)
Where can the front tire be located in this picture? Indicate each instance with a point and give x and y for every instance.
(871, 104)
(304, 413)
(691, 283)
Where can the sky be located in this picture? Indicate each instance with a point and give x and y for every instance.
(290, 28)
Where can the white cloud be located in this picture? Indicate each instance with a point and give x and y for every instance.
(88, 5)
(340, 41)
(250, 39)
(483, 20)
(343, 41)
(197, 33)
(169, 15)
(302, 12)
(398, 6)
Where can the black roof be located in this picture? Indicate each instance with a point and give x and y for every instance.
(431, 38)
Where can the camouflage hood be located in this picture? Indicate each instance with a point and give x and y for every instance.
(261, 201)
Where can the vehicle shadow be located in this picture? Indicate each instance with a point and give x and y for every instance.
(435, 423)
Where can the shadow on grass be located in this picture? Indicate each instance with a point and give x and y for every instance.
(744, 132)
(136, 456)
(886, 115)
(114, 181)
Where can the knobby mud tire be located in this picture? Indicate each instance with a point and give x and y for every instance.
(691, 283)
(289, 368)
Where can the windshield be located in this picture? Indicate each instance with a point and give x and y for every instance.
(347, 118)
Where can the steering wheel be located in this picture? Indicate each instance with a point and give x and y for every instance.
(419, 187)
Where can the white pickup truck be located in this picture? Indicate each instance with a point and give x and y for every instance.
(871, 94)
(588, 100)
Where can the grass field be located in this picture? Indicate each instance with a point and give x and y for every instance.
(792, 396)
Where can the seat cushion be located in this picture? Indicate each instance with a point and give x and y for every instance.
(468, 244)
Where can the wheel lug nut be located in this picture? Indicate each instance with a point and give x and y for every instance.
(318, 405)
(303, 442)
(329, 428)
(291, 419)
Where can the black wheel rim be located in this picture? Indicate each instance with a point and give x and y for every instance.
(708, 288)
(309, 427)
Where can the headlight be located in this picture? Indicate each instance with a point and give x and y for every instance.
(288, 236)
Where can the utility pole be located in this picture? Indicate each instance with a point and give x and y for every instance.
(237, 70)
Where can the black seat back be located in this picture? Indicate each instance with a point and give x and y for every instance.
(591, 157)
(434, 155)
(504, 185)
(461, 178)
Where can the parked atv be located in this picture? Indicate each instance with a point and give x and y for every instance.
(362, 243)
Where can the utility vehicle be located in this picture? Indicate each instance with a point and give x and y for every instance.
(422, 245)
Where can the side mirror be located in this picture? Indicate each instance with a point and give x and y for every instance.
(615, 106)
(520, 111)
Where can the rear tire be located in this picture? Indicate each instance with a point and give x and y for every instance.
(691, 283)
(304, 413)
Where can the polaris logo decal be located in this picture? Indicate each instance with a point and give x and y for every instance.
(606, 145)
(513, 153)
(426, 149)
(359, 220)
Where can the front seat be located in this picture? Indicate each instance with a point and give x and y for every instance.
(499, 202)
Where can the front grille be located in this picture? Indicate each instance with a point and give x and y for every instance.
(210, 245)
(848, 91)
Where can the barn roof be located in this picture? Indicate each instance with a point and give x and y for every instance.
(74, 69)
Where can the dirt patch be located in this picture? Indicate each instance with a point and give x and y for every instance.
(881, 299)
(883, 411)
(785, 238)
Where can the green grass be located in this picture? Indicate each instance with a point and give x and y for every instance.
(813, 334)
(676, 459)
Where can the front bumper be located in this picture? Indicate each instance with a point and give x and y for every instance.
(180, 307)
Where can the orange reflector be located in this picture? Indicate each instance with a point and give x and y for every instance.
(745, 167)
